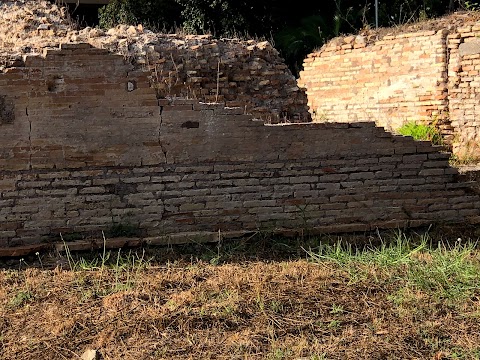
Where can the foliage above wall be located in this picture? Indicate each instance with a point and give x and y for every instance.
(296, 30)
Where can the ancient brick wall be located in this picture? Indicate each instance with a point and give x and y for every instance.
(391, 81)
(86, 144)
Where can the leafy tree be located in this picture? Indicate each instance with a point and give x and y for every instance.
(219, 17)
(296, 42)
(227, 17)
(158, 14)
(398, 12)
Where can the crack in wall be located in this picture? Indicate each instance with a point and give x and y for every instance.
(159, 139)
(29, 139)
(30, 143)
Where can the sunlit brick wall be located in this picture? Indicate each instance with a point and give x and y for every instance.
(391, 81)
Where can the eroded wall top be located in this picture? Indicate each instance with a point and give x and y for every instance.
(368, 37)
(245, 73)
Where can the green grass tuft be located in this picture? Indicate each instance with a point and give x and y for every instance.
(421, 132)
(446, 271)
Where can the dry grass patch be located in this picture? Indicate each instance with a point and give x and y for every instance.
(335, 303)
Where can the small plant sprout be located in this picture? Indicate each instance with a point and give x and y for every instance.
(71, 261)
(424, 132)
(22, 260)
(336, 309)
(39, 259)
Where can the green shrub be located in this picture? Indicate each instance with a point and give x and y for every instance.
(160, 14)
(421, 132)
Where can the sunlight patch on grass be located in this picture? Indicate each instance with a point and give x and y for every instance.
(450, 272)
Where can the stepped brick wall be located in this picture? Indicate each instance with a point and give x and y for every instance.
(85, 144)
(429, 76)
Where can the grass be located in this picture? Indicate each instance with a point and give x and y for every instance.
(445, 271)
(125, 267)
(389, 296)
(20, 298)
(421, 132)
(465, 159)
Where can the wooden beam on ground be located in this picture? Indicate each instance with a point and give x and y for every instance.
(18, 251)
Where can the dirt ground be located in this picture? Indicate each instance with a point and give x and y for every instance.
(202, 307)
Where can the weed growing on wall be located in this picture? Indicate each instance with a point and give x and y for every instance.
(464, 152)
(463, 159)
(421, 132)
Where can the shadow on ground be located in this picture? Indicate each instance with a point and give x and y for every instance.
(261, 246)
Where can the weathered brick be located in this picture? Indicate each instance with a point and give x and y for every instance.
(139, 179)
(57, 192)
(7, 234)
(101, 199)
(150, 187)
(303, 179)
(417, 158)
(32, 184)
(266, 210)
(195, 193)
(99, 182)
(92, 190)
(259, 203)
(180, 185)
(431, 172)
(332, 178)
(361, 176)
(238, 174)
(70, 183)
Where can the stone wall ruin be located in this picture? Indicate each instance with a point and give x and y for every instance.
(91, 144)
(86, 151)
